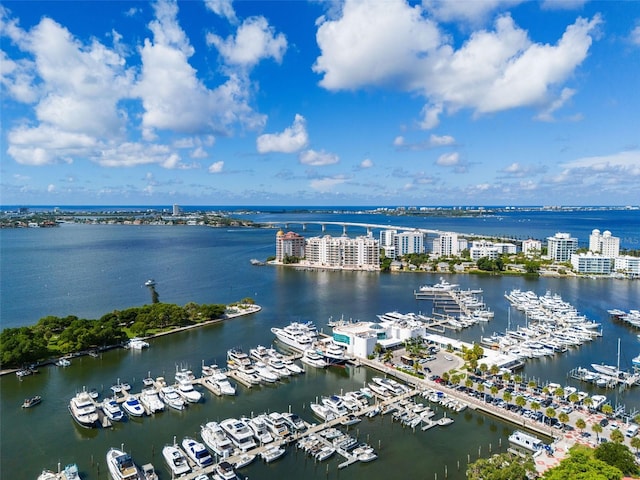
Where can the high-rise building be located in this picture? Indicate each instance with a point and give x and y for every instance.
(343, 252)
(176, 210)
(447, 245)
(606, 244)
(387, 238)
(408, 242)
(561, 246)
(289, 244)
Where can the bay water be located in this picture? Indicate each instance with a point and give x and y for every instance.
(90, 270)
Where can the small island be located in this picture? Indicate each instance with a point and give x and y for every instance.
(53, 337)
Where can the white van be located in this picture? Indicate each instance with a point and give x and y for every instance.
(632, 430)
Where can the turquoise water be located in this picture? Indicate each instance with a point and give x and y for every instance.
(90, 270)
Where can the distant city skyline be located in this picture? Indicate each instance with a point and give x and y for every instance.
(354, 102)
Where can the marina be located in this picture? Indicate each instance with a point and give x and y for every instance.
(309, 295)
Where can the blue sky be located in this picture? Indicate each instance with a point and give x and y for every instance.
(368, 102)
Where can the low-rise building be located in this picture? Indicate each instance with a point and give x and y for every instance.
(591, 263)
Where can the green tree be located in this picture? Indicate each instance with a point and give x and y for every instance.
(635, 443)
(597, 429)
(619, 456)
(494, 369)
(581, 424)
(520, 401)
(616, 436)
(607, 409)
(563, 417)
(507, 397)
(550, 413)
(581, 464)
(504, 466)
(587, 402)
(535, 406)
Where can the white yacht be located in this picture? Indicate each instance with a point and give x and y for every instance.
(277, 425)
(259, 353)
(278, 367)
(190, 394)
(184, 375)
(313, 359)
(239, 433)
(197, 452)
(83, 410)
(298, 336)
(293, 367)
(176, 460)
(236, 358)
(112, 410)
(334, 403)
(150, 399)
(215, 438)
(440, 287)
(265, 373)
(133, 407)
(224, 471)
(259, 427)
(333, 353)
(249, 375)
(322, 411)
(273, 453)
(225, 386)
(137, 344)
(171, 398)
(121, 466)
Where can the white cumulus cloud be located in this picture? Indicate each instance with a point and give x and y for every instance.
(318, 159)
(291, 140)
(327, 184)
(396, 45)
(366, 163)
(255, 40)
(223, 8)
(216, 167)
(448, 159)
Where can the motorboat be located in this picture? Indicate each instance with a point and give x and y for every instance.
(333, 353)
(133, 407)
(259, 353)
(364, 453)
(313, 359)
(190, 394)
(292, 366)
(260, 430)
(149, 472)
(71, 472)
(31, 401)
(83, 410)
(322, 411)
(93, 393)
(48, 475)
(197, 452)
(172, 398)
(121, 466)
(176, 460)
(184, 375)
(63, 362)
(216, 439)
(273, 453)
(278, 367)
(224, 471)
(244, 460)
(150, 283)
(324, 453)
(112, 410)
(222, 381)
(297, 423)
(137, 344)
(150, 399)
(350, 419)
(265, 373)
(239, 433)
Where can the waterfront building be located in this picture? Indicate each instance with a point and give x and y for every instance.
(387, 242)
(531, 247)
(604, 243)
(176, 210)
(628, 265)
(591, 263)
(481, 248)
(449, 245)
(561, 246)
(360, 253)
(289, 244)
(408, 242)
(506, 248)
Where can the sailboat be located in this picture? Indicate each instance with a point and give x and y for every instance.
(610, 370)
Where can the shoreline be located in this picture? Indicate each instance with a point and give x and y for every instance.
(246, 309)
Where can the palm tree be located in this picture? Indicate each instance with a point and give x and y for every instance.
(635, 443)
(507, 397)
(535, 406)
(563, 417)
(597, 429)
(559, 392)
(587, 402)
(573, 398)
(494, 390)
(607, 409)
(532, 384)
(494, 369)
(468, 383)
(520, 401)
(551, 413)
(581, 424)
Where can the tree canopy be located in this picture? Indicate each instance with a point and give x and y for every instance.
(581, 464)
(619, 456)
(504, 466)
